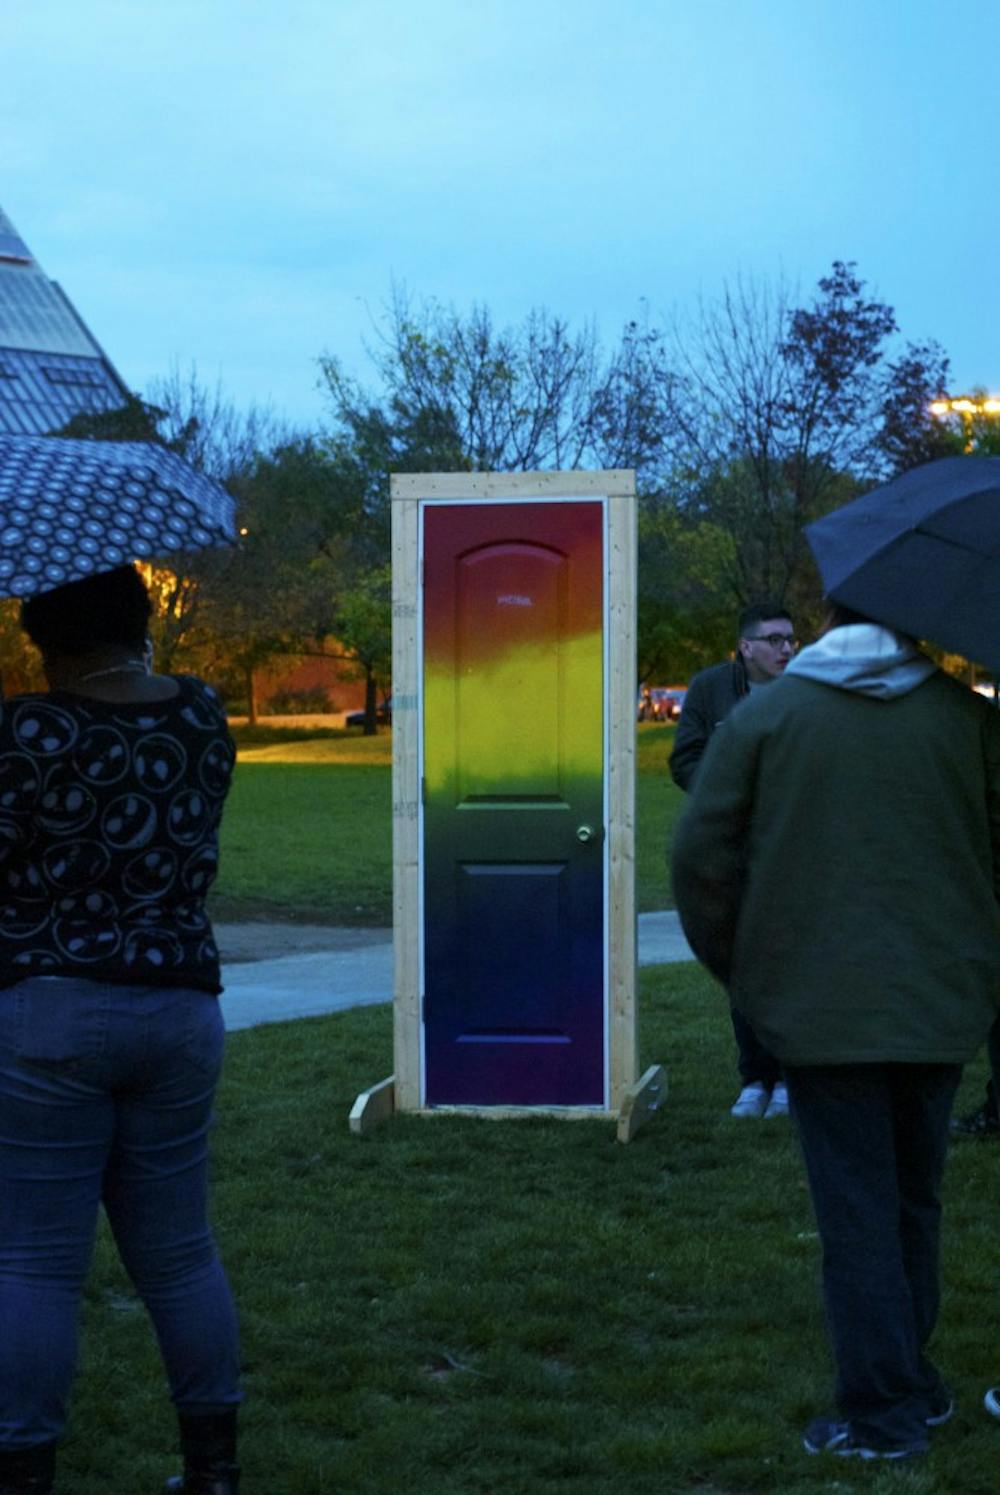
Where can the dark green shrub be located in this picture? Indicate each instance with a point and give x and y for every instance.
(300, 702)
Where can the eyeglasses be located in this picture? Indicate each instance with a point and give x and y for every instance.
(775, 640)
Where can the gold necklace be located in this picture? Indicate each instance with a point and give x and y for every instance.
(130, 667)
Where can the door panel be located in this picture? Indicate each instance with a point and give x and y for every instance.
(514, 1009)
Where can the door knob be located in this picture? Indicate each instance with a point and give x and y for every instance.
(585, 833)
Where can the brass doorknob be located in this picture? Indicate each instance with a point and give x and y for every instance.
(585, 833)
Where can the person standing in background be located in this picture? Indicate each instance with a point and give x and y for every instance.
(765, 644)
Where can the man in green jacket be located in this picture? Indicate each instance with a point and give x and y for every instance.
(838, 869)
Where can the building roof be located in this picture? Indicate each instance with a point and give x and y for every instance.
(51, 367)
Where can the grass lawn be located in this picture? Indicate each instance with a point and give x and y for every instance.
(307, 832)
(466, 1307)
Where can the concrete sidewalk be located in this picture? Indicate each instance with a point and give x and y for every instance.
(317, 969)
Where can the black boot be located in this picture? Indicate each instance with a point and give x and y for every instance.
(209, 1447)
(28, 1471)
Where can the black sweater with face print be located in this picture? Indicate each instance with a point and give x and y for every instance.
(109, 820)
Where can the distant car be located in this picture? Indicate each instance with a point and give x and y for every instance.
(673, 702)
(383, 715)
(661, 703)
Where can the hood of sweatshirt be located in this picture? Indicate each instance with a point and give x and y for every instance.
(864, 657)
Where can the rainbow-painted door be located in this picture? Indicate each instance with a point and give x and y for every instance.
(514, 847)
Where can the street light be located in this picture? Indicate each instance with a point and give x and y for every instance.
(968, 408)
(967, 405)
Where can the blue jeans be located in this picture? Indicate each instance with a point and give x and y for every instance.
(106, 1097)
(874, 1138)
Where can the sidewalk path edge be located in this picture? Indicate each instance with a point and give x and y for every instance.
(332, 980)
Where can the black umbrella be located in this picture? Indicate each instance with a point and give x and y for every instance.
(922, 555)
(71, 508)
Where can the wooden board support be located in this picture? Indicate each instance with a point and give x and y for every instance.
(641, 1100)
(406, 798)
(520, 1113)
(373, 1106)
(622, 928)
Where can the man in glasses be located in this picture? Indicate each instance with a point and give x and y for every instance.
(765, 644)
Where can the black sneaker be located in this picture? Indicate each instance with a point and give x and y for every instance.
(824, 1435)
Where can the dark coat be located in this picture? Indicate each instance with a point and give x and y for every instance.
(838, 868)
(710, 697)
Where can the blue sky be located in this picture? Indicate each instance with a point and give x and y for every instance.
(237, 183)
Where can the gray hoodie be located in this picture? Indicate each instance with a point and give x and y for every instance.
(864, 657)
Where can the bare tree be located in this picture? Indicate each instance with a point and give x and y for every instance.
(459, 393)
(774, 416)
(203, 424)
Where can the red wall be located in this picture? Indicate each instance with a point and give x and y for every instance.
(306, 673)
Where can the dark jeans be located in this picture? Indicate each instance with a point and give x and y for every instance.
(754, 1061)
(874, 1138)
(106, 1097)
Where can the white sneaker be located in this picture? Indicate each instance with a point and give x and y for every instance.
(751, 1101)
(991, 1401)
(778, 1104)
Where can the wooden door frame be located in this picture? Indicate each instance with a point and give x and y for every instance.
(630, 1099)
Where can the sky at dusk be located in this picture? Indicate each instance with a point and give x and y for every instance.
(238, 184)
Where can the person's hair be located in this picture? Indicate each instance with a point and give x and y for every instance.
(760, 612)
(838, 616)
(110, 608)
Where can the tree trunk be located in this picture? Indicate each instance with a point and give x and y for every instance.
(251, 685)
(371, 705)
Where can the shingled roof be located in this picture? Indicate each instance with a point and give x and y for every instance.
(51, 367)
